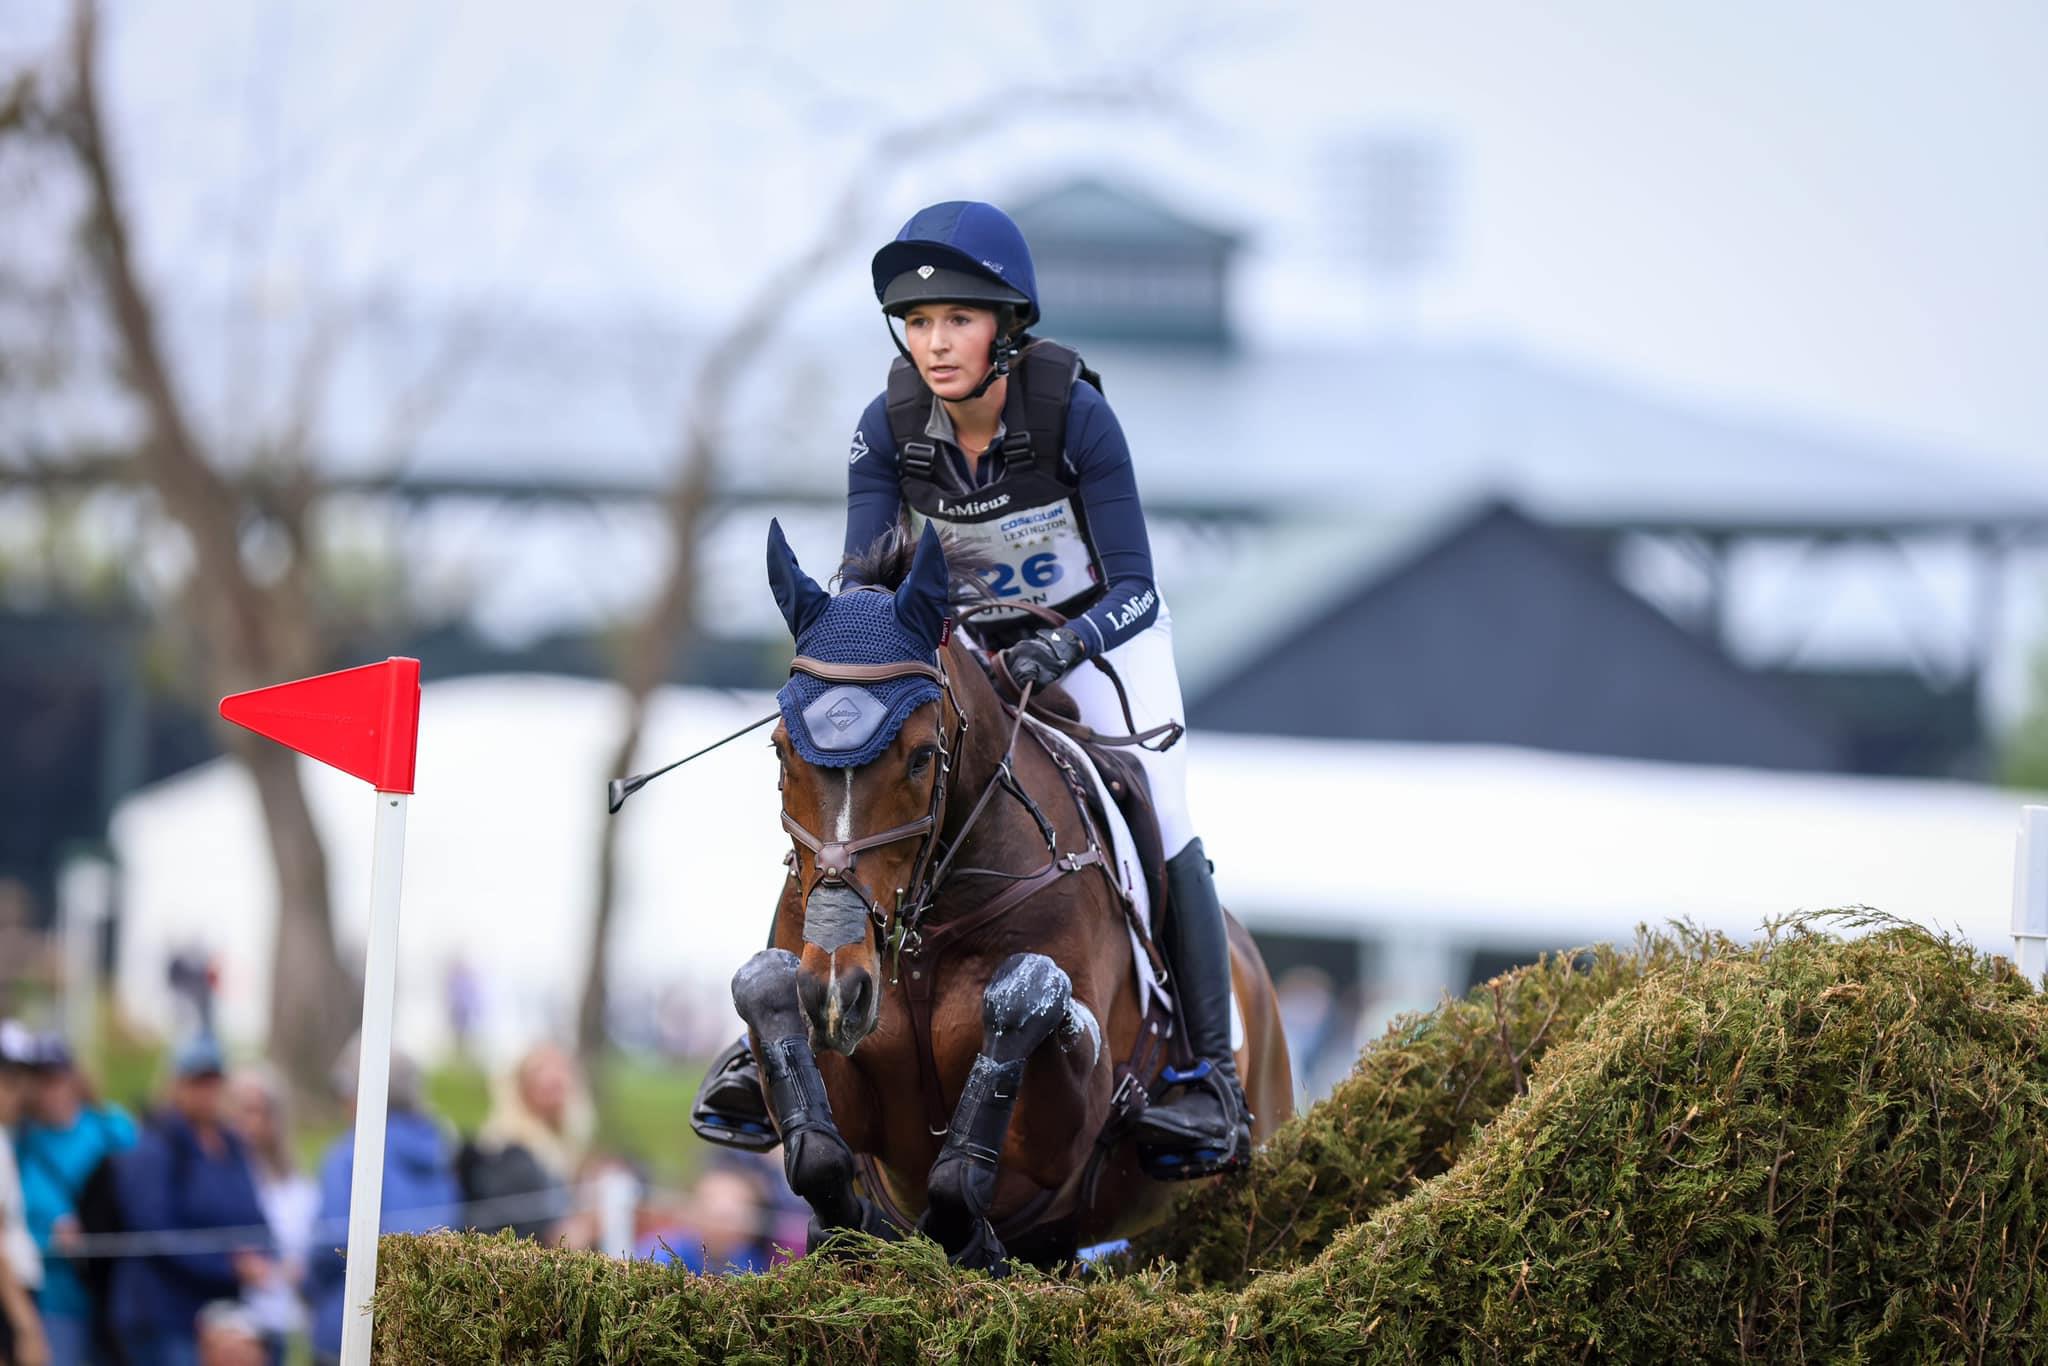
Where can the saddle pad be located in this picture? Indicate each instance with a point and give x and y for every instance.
(1122, 855)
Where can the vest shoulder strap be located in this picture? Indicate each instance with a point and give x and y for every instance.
(1041, 386)
(909, 405)
(1034, 414)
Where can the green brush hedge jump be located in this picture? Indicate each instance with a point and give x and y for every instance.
(1806, 1148)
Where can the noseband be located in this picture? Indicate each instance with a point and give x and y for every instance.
(834, 859)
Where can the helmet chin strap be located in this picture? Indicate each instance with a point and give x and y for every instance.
(1002, 351)
(999, 369)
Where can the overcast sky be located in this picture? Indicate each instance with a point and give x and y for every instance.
(1828, 211)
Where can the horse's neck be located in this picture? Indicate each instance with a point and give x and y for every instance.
(981, 756)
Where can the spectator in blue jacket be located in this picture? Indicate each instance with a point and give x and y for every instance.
(63, 1141)
(187, 1178)
(420, 1193)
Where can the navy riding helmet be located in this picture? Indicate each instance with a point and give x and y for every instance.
(961, 251)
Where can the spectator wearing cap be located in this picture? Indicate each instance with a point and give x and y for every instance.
(64, 1141)
(21, 1268)
(187, 1178)
(420, 1193)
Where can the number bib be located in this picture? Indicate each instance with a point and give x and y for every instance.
(1037, 555)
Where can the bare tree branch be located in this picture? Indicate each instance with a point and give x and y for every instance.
(254, 633)
(312, 373)
(192, 490)
(427, 395)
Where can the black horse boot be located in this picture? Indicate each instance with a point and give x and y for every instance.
(1203, 1126)
(730, 1109)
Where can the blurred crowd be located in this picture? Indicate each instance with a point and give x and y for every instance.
(191, 1235)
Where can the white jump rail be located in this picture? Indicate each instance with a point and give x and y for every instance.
(2030, 894)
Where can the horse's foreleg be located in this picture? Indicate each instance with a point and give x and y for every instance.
(1024, 1002)
(815, 1156)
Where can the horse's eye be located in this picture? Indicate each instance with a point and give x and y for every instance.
(921, 759)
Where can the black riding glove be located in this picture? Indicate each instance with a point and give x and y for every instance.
(1043, 657)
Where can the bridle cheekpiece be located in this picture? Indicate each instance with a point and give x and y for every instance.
(834, 860)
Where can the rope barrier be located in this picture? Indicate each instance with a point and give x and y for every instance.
(485, 1215)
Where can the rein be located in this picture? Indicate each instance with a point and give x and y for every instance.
(902, 930)
(1172, 730)
(835, 859)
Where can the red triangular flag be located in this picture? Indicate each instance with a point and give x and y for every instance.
(365, 721)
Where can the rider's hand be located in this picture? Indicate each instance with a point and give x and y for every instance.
(1042, 657)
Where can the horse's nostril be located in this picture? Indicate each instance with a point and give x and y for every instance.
(863, 986)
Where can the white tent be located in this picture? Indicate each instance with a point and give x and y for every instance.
(1412, 847)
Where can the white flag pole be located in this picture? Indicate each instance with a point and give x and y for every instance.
(2030, 894)
(373, 1079)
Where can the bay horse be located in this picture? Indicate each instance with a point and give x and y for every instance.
(949, 1022)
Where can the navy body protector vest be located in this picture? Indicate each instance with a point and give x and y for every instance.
(1028, 525)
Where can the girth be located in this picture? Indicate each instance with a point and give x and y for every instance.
(921, 956)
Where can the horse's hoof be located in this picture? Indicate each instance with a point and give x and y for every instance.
(817, 1163)
(837, 1241)
(820, 1241)
(983, 1252)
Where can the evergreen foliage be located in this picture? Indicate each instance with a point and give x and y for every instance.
(1810, 1147)
(1415, 1100)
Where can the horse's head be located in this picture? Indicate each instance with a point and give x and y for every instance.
(863, 747)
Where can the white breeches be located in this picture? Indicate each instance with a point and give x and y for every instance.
(1145, 664)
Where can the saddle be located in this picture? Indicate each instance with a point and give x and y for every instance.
(1125, 779)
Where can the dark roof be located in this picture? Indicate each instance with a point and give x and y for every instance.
(1092, 213)
(1502, 631)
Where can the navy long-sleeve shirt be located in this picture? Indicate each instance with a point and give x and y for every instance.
(1097, 461)
(170, 1183)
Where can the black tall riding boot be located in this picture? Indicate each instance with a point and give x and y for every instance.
(731, 1109)
(1203, 1126)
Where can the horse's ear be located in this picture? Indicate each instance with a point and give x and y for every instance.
(921, 601)
(796, 592)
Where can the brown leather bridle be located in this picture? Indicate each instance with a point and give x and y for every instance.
(901, 931)
(834, 860)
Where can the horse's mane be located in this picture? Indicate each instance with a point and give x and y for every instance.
(886, 561)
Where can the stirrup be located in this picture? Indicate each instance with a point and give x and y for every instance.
(1169, 1163)
(731, 1126)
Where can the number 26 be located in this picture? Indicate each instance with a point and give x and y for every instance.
(1040, 571)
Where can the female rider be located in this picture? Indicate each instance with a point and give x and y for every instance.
(1007, 443)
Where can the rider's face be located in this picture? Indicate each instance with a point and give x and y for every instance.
(950, 345)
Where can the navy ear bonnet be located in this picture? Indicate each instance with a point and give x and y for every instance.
(844, 725)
